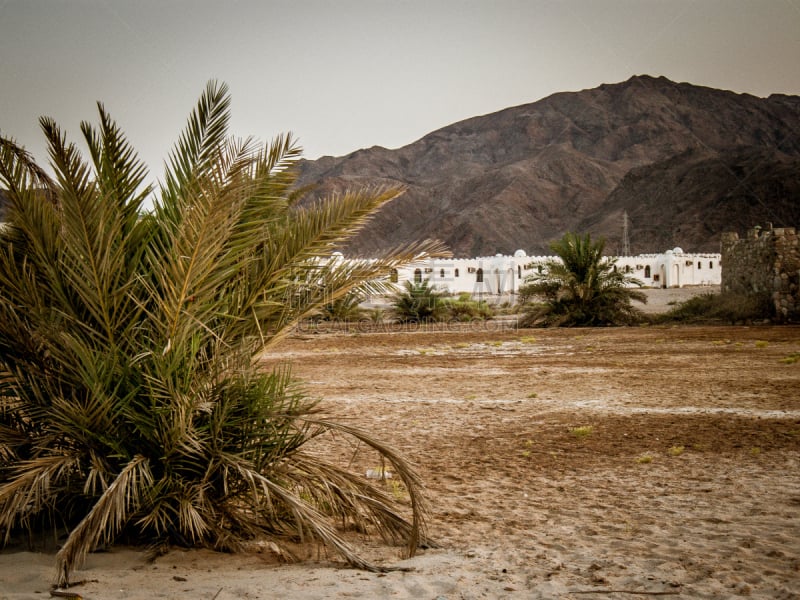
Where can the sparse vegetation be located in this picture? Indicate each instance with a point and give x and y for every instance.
(720, 308)
(527, 452)
(676, 450)
(464, 308)
(644, 459)
(582, 431)
(397, 489)
(791, 358)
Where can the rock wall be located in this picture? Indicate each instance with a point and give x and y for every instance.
(766, 263)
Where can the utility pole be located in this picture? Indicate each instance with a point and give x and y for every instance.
(626, 244)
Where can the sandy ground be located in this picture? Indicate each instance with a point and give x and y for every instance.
(660, 300)
(683, 479)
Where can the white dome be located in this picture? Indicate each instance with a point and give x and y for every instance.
(677, 250)
(520, 254)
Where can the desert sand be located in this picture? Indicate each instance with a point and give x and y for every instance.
(579, 463)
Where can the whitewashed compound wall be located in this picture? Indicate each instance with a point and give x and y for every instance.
(502, 275)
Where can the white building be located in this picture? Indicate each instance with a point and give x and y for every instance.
(674, 268)
(501, 276)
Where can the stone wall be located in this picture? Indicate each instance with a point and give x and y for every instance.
(767, 264)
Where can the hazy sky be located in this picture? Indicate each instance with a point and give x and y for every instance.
(349, 74)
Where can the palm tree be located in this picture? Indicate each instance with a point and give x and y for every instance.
(344, 310)
(419, 302)
(581, 289)
(132, 399)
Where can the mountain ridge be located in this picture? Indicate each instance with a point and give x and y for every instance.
(522, 176)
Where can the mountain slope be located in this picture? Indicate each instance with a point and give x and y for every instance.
(692, 197)
(523, 176)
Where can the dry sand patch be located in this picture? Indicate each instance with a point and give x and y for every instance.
(683, 481)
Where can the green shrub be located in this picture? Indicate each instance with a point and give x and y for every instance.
(345, 309)
(721, 307)
(420, 303)
(464, 308)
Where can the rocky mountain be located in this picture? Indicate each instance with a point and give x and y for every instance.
(690, 198)
(686, 162)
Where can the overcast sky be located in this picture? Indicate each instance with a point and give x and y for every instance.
(349, 74)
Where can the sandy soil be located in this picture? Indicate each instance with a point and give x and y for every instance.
(682, 481)
(660, 300)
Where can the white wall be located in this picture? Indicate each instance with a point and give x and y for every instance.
(674, 268)
(502, 275)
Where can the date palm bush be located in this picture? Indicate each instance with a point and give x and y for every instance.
(583, 288)
(344, 310)
(132, 400)
(419, 303)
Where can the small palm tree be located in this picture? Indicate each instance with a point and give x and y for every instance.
(583, 288)
(131, 393)
(345, 309)
(419, 302)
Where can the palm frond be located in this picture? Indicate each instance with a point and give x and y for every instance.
(107, 516)
(120, 174)
(404, 469)
(20, 173)
(199, 144)
(30, 486)
(307, 520)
